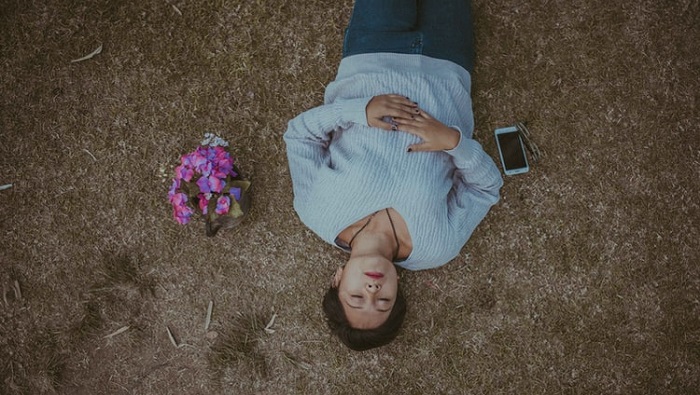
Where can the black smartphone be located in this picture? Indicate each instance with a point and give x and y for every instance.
(512, 151)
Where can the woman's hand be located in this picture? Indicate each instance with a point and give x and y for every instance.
(436, 135)
(383, 108)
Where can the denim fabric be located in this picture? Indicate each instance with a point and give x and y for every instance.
(440, 29)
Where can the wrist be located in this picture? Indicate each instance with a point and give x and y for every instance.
(453, 136)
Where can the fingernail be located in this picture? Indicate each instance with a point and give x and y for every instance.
(410, 150)
(393, 127)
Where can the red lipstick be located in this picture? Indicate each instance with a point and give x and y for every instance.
(374, 275)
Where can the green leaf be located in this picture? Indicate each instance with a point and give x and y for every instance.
(235, 209)
(243, 184)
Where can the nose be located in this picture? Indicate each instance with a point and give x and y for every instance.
(372, 288)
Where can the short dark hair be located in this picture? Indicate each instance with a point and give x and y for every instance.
(362, 339)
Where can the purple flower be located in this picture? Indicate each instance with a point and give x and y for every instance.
(235, 192)
(184, 172)
(200, 163)
(178, 199)
(222, 205)
(216, 184)
(181, 211)
(209, 167)
(224, 162)
(182, 214)
(218, 173)
(210, 184)
(186, 160)
(173, 189)
(203, 184)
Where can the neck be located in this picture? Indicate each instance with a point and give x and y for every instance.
(373, 242)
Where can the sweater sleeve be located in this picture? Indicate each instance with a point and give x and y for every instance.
(308, 137)
(476, 184)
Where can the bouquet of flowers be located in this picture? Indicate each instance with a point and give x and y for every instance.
(208, 182)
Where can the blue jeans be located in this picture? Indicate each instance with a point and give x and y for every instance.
(437, 28)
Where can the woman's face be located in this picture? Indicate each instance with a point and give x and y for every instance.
(367, 288)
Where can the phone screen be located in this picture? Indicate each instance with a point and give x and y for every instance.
(512, 150)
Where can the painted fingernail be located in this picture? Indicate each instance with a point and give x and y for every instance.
(393, 127)
(410, 150)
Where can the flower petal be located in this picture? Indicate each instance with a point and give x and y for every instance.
(222, 205)
(235, 192)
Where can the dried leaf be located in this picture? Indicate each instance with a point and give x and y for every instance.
(208, 320)
(171, 337)
(89, 56)
(268, 327)
(117, 332)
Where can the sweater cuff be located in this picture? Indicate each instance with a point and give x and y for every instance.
(466, 153)
(354, 110)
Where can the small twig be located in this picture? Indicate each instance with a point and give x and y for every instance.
(6, 186)
(89, 56)
(176, 9)
(18, 290)
(268, 327)
(90, 153)
(208, 319)
(117, 332)
(432, 285)
(171, 337)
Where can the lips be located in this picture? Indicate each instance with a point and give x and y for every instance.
(374, 275)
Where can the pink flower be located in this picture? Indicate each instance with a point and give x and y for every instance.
(181, 211)
(209, 167)
(186, 160)
(222, 205)
(205, 168)
(218, 173)
(210, 184)
(216, 184)
(203, 184)
(203, 203)
(197, 157)
(184, 172)
(182, 214)
(178, 199)
(173, 189)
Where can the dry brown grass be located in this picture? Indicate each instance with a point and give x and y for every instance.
(584, 279)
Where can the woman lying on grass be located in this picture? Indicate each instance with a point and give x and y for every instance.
(387, 168)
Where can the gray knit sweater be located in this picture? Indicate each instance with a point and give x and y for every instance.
(343, 170)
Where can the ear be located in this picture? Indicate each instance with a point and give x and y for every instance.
(335, 281)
